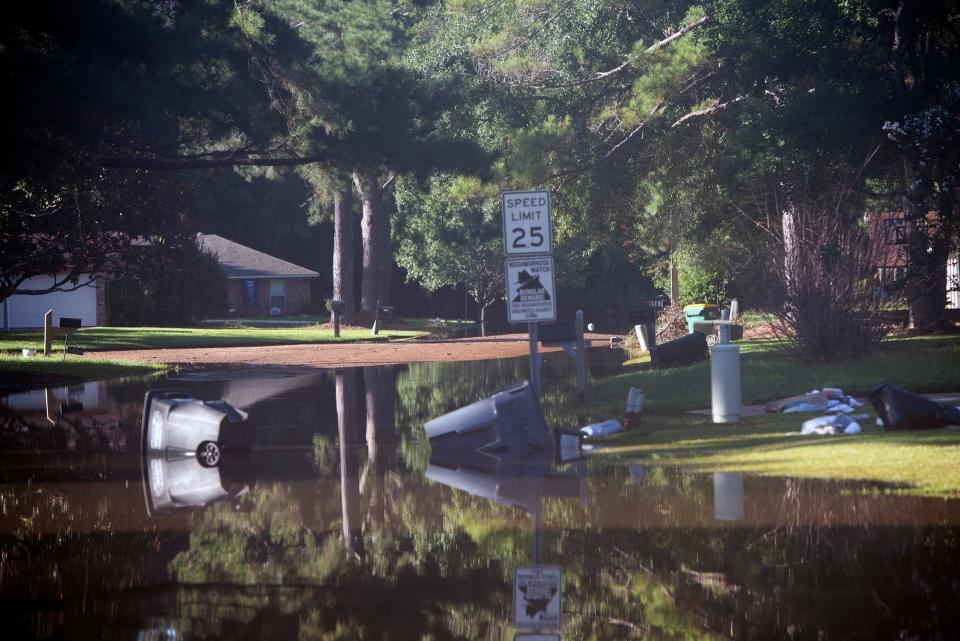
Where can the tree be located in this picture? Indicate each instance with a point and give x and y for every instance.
(451, 235)
(169, 282)
(110, 93)
(817, 88)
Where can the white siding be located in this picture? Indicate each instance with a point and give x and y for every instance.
(24, 311)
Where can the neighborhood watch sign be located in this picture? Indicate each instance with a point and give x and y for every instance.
(530, 290)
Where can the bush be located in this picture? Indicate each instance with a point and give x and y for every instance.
(168, 283)
(832, 307)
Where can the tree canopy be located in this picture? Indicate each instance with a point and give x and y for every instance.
(674, 135)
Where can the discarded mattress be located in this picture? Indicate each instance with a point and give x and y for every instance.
(901, 410)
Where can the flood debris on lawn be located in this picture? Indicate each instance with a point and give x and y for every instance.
(902, 410)
(603, 428)
(828, 399)
(833, 424)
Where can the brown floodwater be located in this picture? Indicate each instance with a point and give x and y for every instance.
(338, 523)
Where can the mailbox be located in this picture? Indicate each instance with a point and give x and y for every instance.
(564, 331)
(338, 306)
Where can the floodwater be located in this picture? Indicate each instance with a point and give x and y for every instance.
(338, 525)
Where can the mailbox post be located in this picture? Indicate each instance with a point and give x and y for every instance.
(337, 308)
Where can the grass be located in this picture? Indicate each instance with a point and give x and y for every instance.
(755, 318)
(17, 373)
(130, 338)
(924, 462)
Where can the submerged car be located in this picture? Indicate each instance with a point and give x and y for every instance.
(195, 452)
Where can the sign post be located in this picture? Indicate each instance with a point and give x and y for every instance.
(528, 244)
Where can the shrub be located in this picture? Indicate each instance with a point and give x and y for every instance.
(832, 306)
(170, 282)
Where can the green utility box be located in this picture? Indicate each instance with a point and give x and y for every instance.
(700, 312)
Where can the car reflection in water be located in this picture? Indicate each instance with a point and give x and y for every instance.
(194, 452)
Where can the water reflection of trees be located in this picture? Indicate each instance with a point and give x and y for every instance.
(367, 549)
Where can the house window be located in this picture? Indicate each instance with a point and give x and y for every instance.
(894, 231)
(278, 296)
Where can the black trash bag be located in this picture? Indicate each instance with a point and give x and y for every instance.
(685, 350)
(901, 410)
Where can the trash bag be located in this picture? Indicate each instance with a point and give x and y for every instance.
(903, 410)
(686, 350)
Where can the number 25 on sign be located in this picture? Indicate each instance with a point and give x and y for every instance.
(526, 222)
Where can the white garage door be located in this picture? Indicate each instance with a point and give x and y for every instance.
(27, 311)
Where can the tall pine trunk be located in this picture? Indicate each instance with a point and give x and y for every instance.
(369, 192)
(385, 263)
(343, 271)
(381, 399)
(349, 431)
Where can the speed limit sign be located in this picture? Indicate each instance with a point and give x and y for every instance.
(526, 222)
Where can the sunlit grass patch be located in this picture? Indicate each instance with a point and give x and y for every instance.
(127, 338)
(924, 462)
(37, 371)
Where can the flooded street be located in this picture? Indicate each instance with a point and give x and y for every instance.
(339, 524)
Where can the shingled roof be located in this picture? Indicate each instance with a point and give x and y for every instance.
(240, 261)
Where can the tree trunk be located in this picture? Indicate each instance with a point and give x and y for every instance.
(348, 428)
(385, 264)
(674, 272)
(381, 438)
(368, 189)
(788, 223)
(674, 282)
(925, 286)
(483, 318)
(343, 272)
(927, 253)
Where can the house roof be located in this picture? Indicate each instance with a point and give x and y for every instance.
(240, 261)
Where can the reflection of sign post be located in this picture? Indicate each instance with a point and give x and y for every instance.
(531, 294)
(536, 596)
(526, 222)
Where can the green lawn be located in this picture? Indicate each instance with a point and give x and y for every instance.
(17, 373)
(123, 338)
(924, 462)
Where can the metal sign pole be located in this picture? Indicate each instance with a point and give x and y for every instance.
(534, 361)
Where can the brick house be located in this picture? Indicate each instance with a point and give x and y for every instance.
(890, 253)
(259, 284)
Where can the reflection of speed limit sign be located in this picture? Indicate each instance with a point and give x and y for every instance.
(526, 222)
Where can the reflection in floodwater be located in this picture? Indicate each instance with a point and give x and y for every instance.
(727, 496)
(351, 529)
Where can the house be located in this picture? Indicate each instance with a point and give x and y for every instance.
(88, 302)
(888, 248)
(259, 284)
